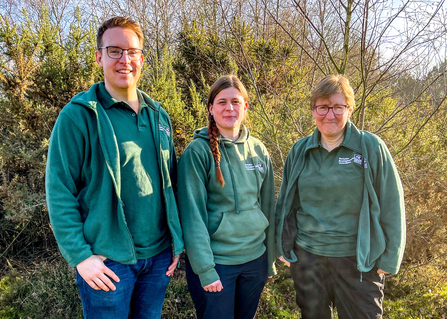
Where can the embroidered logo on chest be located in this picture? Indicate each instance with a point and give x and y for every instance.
(165, 129)
(358, 159)
(344, 160)
(251, 167)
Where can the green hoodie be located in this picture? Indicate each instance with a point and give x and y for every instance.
(83, 183)
(381, 226)
(228, 225)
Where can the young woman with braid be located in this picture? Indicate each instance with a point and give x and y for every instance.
(226, 199)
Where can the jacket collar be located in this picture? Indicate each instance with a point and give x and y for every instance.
(352, 138)
(107, 101)
(90, 98)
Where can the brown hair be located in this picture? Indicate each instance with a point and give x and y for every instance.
(221, 84)
(332, 84)
(119, 22)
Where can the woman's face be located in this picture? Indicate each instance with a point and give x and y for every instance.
(331, 125)
(228, 110)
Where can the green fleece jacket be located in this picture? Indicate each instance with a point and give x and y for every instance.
(83, 183)
(228, 225)
(381, 229)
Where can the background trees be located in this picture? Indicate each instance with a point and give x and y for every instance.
(393, 53)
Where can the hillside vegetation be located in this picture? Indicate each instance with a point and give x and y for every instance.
(279, 49)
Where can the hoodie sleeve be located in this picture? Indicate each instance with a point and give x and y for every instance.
(192, 199)
(63, 171)
(389, 191)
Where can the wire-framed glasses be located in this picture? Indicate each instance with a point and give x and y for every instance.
(324, 109)
(117, 52)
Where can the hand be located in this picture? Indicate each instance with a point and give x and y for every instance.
(173, 265)
(284, 261)
(380, 271)
(94, 272)
(214, 287)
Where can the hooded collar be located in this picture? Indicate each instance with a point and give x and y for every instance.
(244, 135)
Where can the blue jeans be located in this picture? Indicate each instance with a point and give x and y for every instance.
(239, 299)
(139, 294)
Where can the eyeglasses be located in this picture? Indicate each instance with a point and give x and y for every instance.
(117, 52)
(336, 109)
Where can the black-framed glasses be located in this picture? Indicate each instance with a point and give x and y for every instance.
(117, 52)
(324, 109)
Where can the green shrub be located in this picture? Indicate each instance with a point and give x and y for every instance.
(278, 297)
(48, 292)
(417, 292)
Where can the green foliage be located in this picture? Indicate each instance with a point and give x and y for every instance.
(48, 292)
(42, 67)
(178, 303)
(160, 82)
(417, 292)
(201, 56)
(278, 87)
(39, 73)
(7, 294)
(278, 297)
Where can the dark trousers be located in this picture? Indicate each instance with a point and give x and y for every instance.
(239, 298)
(322, 283)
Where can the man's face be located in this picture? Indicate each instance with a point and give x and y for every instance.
(120, 75)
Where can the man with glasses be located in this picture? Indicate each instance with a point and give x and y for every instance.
(109, 181)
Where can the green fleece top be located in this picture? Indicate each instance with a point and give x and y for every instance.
(381, 225)
(83, 181)
(228, 225)
(140, 174)
(330, 189)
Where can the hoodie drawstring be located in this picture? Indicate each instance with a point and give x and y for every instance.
(256, 171)
(236, 197)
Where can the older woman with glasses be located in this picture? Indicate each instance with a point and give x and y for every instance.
(341, 211)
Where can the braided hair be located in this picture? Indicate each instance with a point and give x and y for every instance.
(221, 84)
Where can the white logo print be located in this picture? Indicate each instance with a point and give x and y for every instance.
(344, 160)
(251, 167)
(358, 159)
(165, 129)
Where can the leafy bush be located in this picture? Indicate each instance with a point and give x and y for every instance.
(42, 67)
(417, 292)
(278, 297)
(39, 73)
(48, 292)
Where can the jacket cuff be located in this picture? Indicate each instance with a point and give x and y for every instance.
(208, 277)
(73, 262)
(391, 270)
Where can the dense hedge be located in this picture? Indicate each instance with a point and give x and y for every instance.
(40, 72)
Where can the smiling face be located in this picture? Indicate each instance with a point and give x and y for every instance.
(331, 126)
(120, 75)
(228, 110)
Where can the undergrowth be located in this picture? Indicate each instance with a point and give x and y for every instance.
(50, 292)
